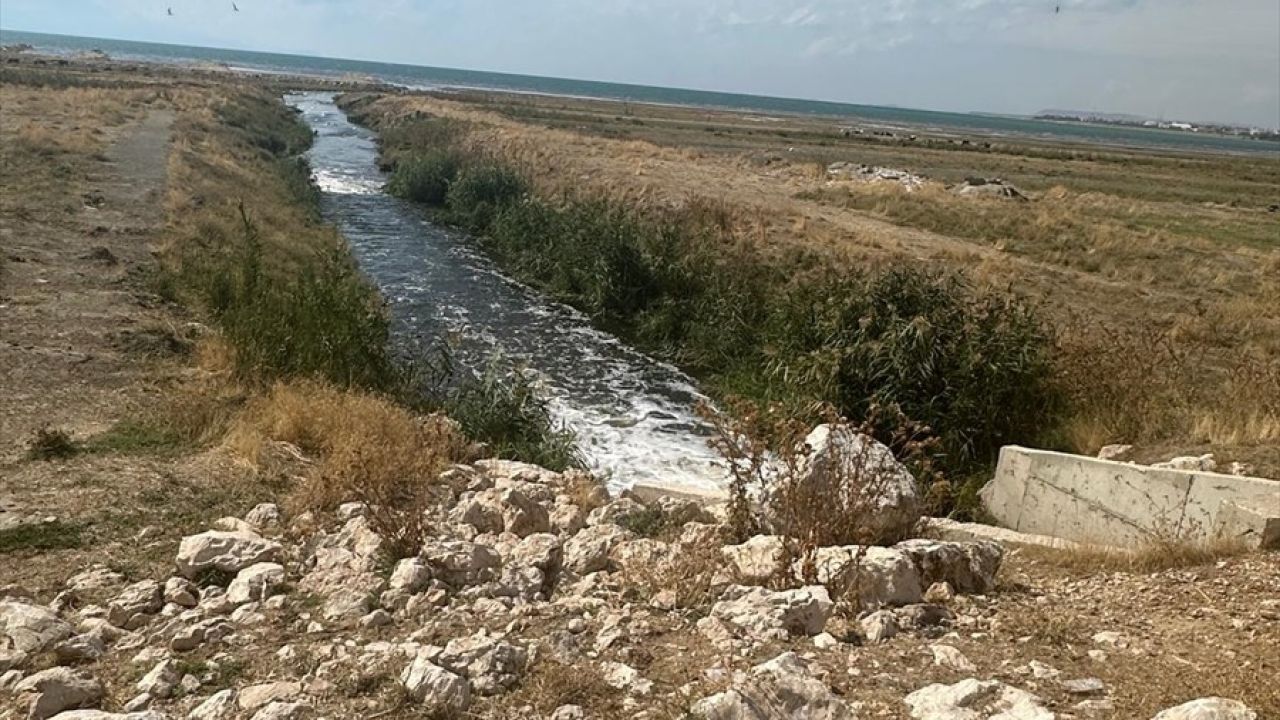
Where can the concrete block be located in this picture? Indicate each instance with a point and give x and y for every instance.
(1093, 501)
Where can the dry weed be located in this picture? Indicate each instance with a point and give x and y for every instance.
(1152, 556)
(366, 448)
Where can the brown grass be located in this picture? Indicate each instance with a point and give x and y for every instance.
(1155, 555)
(1131, 240)
(366, 449)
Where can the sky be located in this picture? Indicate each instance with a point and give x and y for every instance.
(1198, 60)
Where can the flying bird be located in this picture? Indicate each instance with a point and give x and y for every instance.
(1057, 9)
(170, 12)
(235, 7)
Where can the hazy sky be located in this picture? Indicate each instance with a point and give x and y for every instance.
(1179, 59)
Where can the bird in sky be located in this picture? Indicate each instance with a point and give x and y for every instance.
(235, 7)
(170, 12)
(1057, 9)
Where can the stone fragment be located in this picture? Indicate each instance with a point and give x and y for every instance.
(437, 690)
(218, 706)
(761, 614)
(780, 688)
(973, 699)
(52, 691)
(255, 583)
(227, 552)
(1209, 708)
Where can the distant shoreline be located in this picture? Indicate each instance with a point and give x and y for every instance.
(427, 78)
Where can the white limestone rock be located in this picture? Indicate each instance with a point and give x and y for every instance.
(52, 691)
(761, 614)
(840, 455)
(437, 690)
(228, 552)
(255, 583)
(780, 688)
(972, 699)
(30, 629)
(1209, 708)
(588, 550)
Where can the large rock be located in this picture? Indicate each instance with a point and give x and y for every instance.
(969, 567)
(227, 552)
(255, 583)
(588, 551)
(437, 690)
(256, 696)
(616, 512)
(51, 691)
(411, 575)
(839, 457)
(521, 515)
(780, 688)
(30, 629)
(218, 706)
(1210, 708)
(975, 700)
(761, 614)
(540, 550)
(132, 606)
(460, 563)
(758, 560)
(877, 576)
(491, 664)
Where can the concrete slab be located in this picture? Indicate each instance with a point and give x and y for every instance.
(1094, 501)
(951, 530)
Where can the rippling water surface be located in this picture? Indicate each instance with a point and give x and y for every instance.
(633, 415)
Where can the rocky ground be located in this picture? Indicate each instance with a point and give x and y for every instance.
(524, 604)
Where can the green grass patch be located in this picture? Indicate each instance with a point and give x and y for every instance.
(138, 437)
(57, 535)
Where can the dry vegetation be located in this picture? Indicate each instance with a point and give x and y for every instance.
(1159, 270)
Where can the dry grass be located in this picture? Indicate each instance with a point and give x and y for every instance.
(1155, 555)
(1131, 240)
(366, 449)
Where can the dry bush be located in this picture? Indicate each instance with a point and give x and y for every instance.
(776, 487)
(696, 573)
(1247, 409)
(1155, 555)
(366, 447)
(1150, 384)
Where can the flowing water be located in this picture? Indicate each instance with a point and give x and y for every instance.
(634, 417)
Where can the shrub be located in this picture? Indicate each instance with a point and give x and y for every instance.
(504, 411)
(56, 535)
(480, 191)
(771, 488)
(52, 444)
(425, 177)
(324, 322)
(974, 365)
(367, 449)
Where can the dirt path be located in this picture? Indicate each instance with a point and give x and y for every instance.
(78, 332)
(72, 309)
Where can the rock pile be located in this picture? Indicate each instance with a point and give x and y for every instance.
(516, 579)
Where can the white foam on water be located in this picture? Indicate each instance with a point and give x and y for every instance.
(634, 417)
(332, 181)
